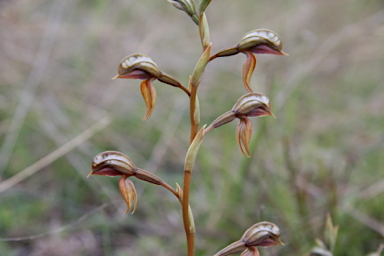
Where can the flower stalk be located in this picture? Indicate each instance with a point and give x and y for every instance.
(252, 104)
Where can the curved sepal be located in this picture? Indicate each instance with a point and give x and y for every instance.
(128, 192)
(149, 94)
(251, 251)
(243, 135)
(248, 68)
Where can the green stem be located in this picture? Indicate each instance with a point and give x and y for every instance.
(189, 229)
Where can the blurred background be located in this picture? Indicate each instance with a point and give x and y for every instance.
(59, 108)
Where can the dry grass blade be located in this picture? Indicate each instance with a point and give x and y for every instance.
(35, 77)
(32, 169)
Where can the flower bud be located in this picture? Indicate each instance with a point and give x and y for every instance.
(138, 66)
(253, 105)
(261, 41)
(264, 234)
(186, 6)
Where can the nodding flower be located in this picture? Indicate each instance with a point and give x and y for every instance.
(249, 105)
(264, 234)
(114, 163)
(142, 67)
(259, 41)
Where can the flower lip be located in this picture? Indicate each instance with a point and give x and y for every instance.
(271, 241)
(264, 49)
(135, 74)
(106, 171)
(261, 111)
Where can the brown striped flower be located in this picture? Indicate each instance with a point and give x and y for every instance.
(259, 41)
(249, 105)
(140, 66)
(114, 163)
(264, 234)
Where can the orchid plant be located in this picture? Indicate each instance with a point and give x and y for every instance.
(252, 104)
